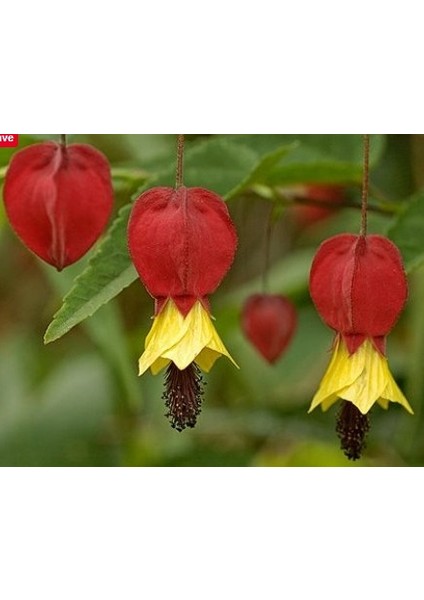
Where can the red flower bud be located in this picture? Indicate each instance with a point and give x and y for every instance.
(359, 287)
(58, 199)
(269, 322)
(182, 243)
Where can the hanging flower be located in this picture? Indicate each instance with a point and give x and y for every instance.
(269, 322)
(58, 199)
(182, 242)
(359, 288)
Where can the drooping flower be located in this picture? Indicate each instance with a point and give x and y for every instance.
(359, 288)
(58, 199)
(269, 322)
(182, 242)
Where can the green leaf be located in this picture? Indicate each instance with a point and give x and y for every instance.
(125, 178)
(228, 167)
(107, 331)
(343, 148)
(314, 170)
(260, 172)
(312, 165)
(407, 232)
(216, 164)
(108, 273)
(316, 158)
(219, 165)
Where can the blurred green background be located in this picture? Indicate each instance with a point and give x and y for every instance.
(78, 401)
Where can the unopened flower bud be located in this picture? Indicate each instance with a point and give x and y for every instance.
(269, 322)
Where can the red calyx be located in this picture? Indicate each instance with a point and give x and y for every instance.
(58, 199)
(269, 322)
(359, 287)
(182, 243)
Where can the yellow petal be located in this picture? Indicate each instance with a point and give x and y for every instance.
(372, 381)
(182, 340)
(215, 347)
(363, 378)
(339, 374)
(392, 393)
(165, 333)
(159, 364)
(206, 359)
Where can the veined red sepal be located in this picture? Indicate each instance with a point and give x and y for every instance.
(359, 287)
(182, 243)
(58, 199)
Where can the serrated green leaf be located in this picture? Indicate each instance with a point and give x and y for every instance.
(260, 172)
(106, 330)
(344, 148)
(108, 273)
(317, 158)
(317, 171)
(407, 232)
(312, 165)
(228, 167)
(216, 164)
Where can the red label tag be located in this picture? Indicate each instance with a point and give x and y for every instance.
(8, 140)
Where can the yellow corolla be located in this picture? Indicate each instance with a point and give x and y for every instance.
(182, 340)
(363, 378)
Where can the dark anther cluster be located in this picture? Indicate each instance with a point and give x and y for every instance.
(183, 395)
(352, 427)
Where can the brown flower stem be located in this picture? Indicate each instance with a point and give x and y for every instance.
(63, 139)
(180, 161)
(267, 252)
(365, 185)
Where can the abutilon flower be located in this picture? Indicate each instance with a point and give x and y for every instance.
(269, 322)
(182, 242)
(58, 199)
(359, 288)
